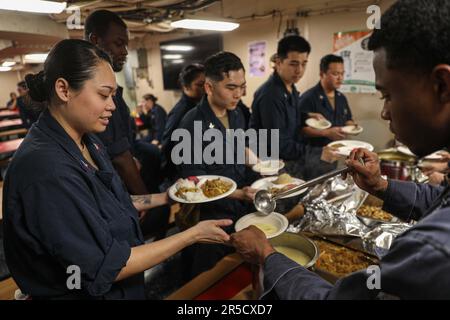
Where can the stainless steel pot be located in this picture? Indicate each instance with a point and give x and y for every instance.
(286, 239)
(399, 166)
(299, 242)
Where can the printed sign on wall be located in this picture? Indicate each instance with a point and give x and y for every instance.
(257, 58)
(359, 73)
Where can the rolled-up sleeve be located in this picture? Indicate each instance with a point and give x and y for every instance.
(409, 200)
(64, 216)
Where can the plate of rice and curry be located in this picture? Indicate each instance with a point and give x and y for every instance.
(201, 189)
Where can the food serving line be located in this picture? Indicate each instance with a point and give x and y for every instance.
(342, 228)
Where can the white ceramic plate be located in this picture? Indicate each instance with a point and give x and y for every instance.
(268, 167)
(351, 130)
(278, 221)
(349, 145)
(435, 156)
(202, 179)
(318, 124)
(266, 183)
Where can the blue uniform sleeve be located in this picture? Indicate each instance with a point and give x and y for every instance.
(306, 104)
(64, 216)
(115, 137)
(409, 200)
(173, 120)
(290, 281)
(146, 121)
(194, 166)
(273, 117)
(168, 129)
(160, 123)
(189, 170)
(348, 114)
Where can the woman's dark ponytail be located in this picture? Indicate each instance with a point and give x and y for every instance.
(36, 86)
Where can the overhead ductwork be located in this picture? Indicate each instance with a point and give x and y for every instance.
(141, 16)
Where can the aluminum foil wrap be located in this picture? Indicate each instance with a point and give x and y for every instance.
(378, 240)
(331, 207)
(331, 213)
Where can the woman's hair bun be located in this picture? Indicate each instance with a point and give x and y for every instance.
(36, 86)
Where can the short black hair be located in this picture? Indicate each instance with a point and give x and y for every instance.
(415, 35)
(22, 84)
(221, 63)
(98, 23)
(292, 43)
(329, 59)
(190, 73)
(149, 96)
(72, 59)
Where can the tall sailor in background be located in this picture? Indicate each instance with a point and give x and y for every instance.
(276, 102)
(109, 32)
(325, 99)
(225, 84)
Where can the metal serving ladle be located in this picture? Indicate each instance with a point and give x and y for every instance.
(265, 202)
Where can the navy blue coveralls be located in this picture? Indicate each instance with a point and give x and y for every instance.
(205, 256)
(315, 100)
(59, 211)
(155, 122)
(183, 106)
(274, 107)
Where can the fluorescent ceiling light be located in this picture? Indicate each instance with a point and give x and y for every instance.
(8, 64)
(177, 48)
(35, 57)
(205, 25)
(5, 68)
(172, 56)
(178, 61)
(35, 6)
